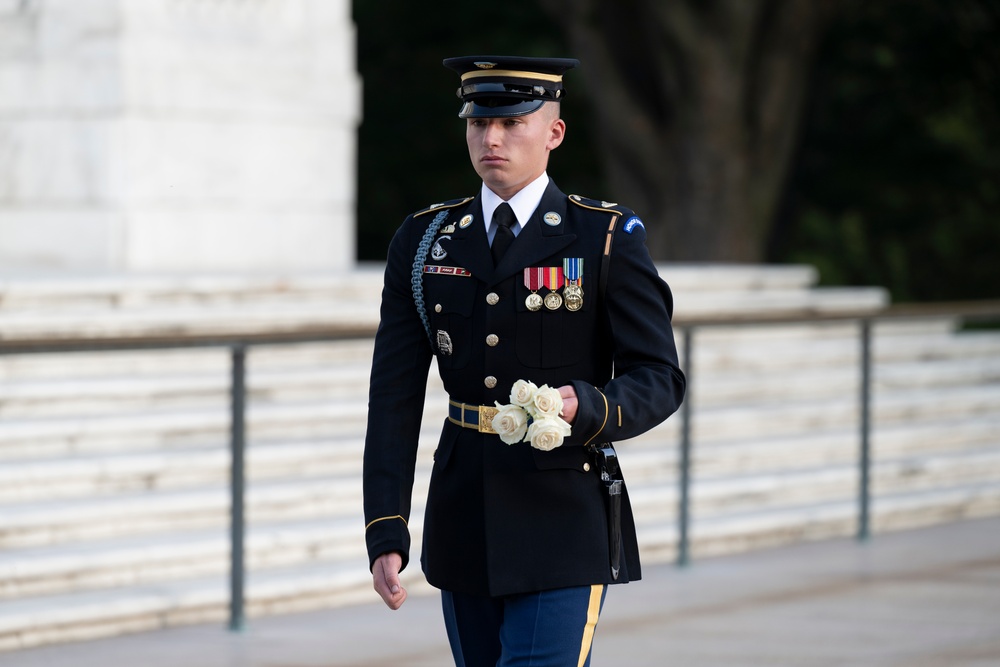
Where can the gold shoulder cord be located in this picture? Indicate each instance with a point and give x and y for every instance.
(385, 518)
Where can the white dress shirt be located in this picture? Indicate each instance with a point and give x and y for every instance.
(523, 203)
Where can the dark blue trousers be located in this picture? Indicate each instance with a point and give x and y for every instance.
(545, 629)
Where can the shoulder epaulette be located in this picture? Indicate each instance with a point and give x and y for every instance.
(447, 204)
(596, 204)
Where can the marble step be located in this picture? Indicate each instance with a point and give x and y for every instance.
(95, 518)
(221, 319)
(191, 427)
(168, 363)
(715, 348)
(120, 291)
(695, 304)
(38, 620)
(150, 472)
(767, 350)
(764, 419)
(91, 518)
(35, 399)
(837, 381)
(284, 313)
(58, 618)
(715, 496)
(129, 560)
(650, 455)
(331, 374)
(36, 438)
(44, 398)
(124, 291)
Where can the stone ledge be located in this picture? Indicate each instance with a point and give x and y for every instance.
(652, 456)
(131, 561)
(339, 419)
(36, 621)
(723, 378)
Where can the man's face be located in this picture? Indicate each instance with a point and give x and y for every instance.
(509, 153)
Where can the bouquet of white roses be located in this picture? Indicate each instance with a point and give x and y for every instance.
(533, 414)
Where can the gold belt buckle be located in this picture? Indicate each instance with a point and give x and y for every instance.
(486, 415)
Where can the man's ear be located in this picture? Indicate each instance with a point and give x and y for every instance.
(557, 132)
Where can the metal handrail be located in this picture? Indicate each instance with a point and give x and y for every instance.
(238, 341)
(963, 310)
(237, 344)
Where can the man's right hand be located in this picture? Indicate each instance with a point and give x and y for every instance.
(385, 573)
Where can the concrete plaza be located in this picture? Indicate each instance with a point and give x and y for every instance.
(920, 598)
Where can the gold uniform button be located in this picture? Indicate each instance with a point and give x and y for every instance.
(493, 298)
(490, 382)
(437, 308)
(586, 467)
(492, 340)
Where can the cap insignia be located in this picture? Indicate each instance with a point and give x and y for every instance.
(485, 65)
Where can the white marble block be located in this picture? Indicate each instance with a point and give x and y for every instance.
(177, 135)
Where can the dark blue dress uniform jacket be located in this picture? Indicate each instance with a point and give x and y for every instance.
(506, 519)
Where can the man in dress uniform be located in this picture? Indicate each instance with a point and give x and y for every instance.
(546, 309)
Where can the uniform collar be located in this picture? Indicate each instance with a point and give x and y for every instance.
(524, 202)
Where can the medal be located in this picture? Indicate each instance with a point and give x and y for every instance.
(573, 269)
(552, 277)
(533, 281)
(574, 297)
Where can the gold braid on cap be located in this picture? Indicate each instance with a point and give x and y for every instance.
(554, 78)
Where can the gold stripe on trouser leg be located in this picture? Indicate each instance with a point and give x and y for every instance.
(593, 612)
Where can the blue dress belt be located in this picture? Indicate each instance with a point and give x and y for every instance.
(479, 417)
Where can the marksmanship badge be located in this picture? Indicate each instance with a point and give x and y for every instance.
(438, 252)
(444, 343)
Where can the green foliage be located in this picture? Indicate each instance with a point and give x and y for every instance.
(411, 148)
(898, 172)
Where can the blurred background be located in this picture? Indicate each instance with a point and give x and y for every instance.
(196, 198)
(859, 137)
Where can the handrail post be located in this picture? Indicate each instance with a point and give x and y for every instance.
(684, 472)
(864, 459)
(237, 485)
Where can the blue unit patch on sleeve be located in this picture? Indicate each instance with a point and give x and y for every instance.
(632, 223)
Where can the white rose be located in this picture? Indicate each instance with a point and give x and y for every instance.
(523, 393)
(547, 433)
(547, 403)
(510, 423)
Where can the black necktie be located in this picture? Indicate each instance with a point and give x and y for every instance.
(504, 219)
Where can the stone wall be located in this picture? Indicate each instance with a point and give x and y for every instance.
(177, 135)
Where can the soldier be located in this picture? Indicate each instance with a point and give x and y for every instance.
(546, 309)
